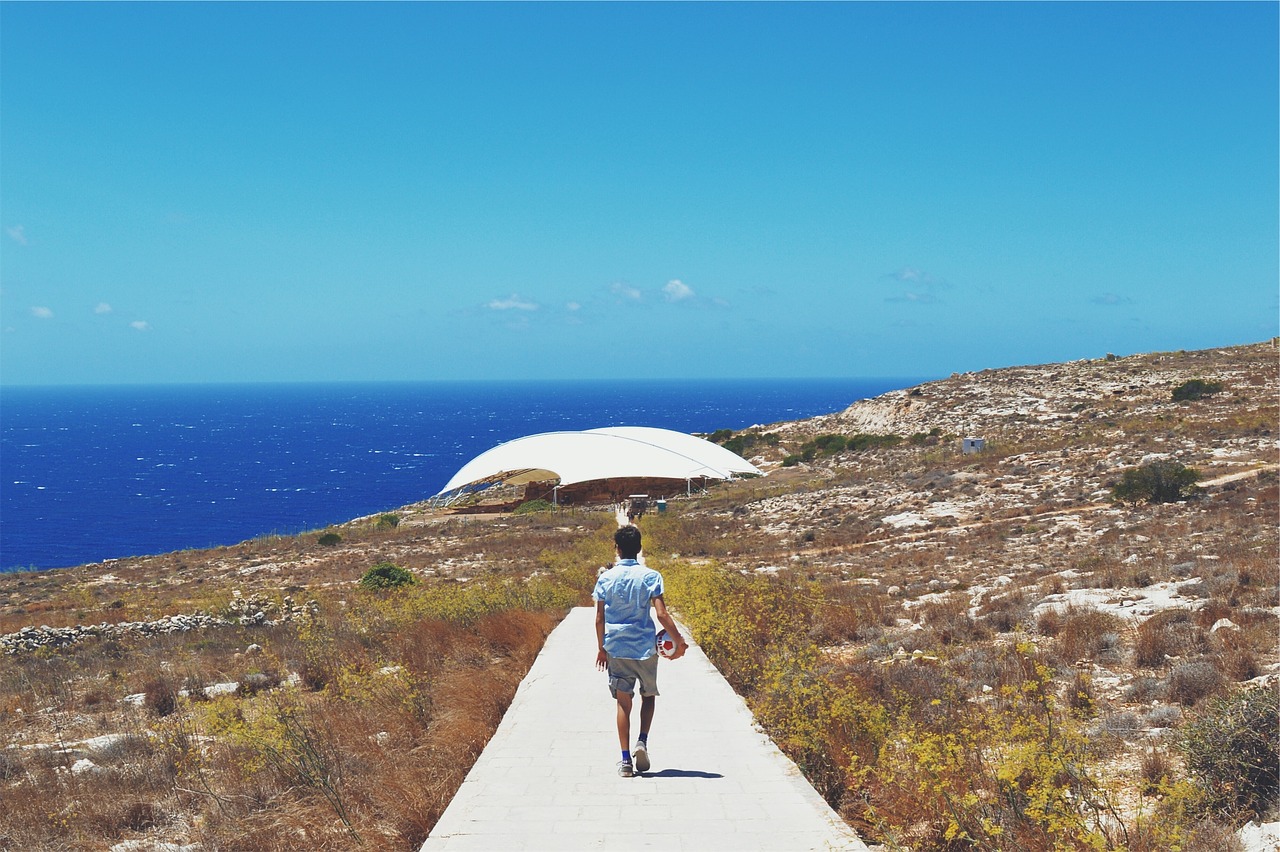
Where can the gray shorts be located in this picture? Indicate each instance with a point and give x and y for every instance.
(623, 674)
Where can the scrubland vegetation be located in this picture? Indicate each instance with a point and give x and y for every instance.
(350, 728)
(1000, 651)
(979, 727)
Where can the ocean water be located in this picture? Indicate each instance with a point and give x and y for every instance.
(88, 474)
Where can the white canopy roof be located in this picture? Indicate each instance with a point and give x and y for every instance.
(609, 453)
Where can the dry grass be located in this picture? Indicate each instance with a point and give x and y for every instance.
(362, 723)
(986, 543)
(350, 730)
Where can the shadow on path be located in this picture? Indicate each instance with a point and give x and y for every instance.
(679, 773)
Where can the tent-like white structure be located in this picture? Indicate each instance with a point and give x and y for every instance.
(617, 452)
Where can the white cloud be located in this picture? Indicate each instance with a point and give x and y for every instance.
(573, 306)
(919, 287)
(41, 312)
(140, 325)
(102, 308)
(512, 303)
(621, 288)
(675, 290)
(912, 275)
(1112, 299)
(17, 233)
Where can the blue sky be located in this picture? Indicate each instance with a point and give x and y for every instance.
(397, 191)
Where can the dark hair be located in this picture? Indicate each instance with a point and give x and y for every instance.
(628, 540)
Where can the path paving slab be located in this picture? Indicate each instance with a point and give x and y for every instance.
(547, 780)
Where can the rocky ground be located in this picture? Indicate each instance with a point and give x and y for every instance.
(938, 551)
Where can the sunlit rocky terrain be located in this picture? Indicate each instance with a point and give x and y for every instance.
(259, 692)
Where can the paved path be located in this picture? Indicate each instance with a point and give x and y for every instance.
(547, 781)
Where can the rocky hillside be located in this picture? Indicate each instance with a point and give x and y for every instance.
(1019, 403)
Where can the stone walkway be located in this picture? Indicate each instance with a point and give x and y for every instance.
(547, 779)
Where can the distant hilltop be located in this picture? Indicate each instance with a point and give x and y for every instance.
(1018, 402)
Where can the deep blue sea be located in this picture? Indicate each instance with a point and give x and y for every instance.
(88, 474)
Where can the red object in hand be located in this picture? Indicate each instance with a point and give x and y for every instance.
(666, 645)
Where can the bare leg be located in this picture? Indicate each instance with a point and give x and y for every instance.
(647, 705)
(624, 720)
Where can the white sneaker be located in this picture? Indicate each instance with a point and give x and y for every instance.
(641, 756)
(624, 769)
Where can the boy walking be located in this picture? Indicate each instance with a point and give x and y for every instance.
(625, 641)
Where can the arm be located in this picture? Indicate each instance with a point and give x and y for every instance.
(602, 656)
(669, 623)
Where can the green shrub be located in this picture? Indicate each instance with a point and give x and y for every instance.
(1195, 389)
(741, 442)
(919, 439)
(388, 521)
(1233, 750)
(1156, 482)
(531, 506)
(386, 575)
(823, 445)
(329, 539)
(863, 441)
(829, 444)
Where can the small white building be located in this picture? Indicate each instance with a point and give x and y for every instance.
(972, 445)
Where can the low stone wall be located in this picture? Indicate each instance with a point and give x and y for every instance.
(254, 610)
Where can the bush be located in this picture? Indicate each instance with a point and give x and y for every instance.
(1189, 682)
(254, 682)
(1155, 770)
(329, 539)
(823, 445)
(531, 506)
(1233, 750)
(1084, 632)
(829, 444)
(1080, 696)
(1195, 389)
(314, 674)
(863, 441)
(386, 575)
(1156, 482)
(1163, 716)
(742, 442)
(140, 815)
(10, 766)
(1144, 690)
(160, 695)
(1241, 664)
(1166, 634)
(388, 521)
